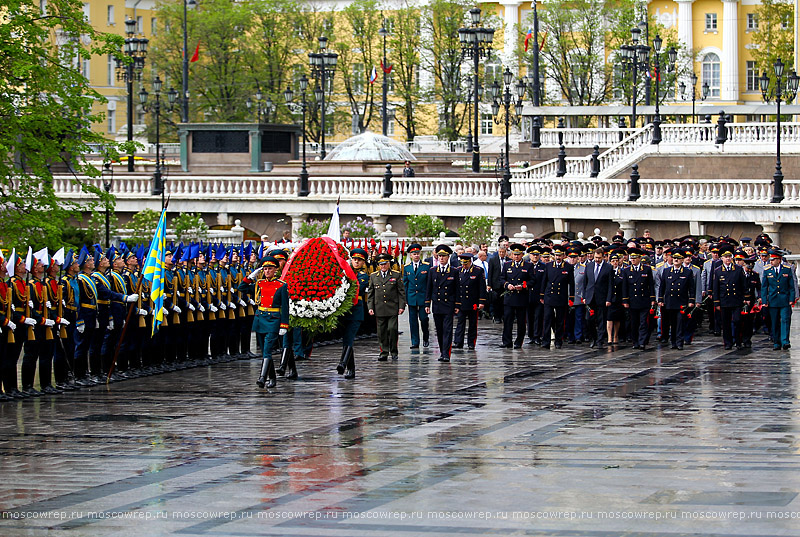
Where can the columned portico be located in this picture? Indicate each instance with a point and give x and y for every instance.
(511, 20)
(729, 76)
(628, 228)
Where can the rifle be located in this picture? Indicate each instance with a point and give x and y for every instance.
(195, 283)
(211, 315)
(125, 329)
(237, 282)
(189, 314)
(62, 333)
(31, 333)
(231, 312)
(48, 332)
(218, 283)
(176, 318)
(142, 321)
(9, 310)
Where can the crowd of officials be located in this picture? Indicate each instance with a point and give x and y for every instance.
(87, 319)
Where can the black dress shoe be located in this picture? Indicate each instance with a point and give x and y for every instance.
(787, 347)
(51, 390)
(517, 346)
(270, 383)
(382, 358)
(680, 346)
(557, 345)
(414, 347)
(545, 345)
(349, 374)
(298, 358)
(673, 347)
(776, 347)
(504, 346)
(395, 357)
(593, 344)
(748, 344)
(458, 346)
(471, 348)
(728, 347)
(426, 343)
(637, 346)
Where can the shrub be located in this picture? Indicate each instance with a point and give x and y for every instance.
(424, 226)
(476, 230)
(311, 229)
(190, 226)
(360, 228)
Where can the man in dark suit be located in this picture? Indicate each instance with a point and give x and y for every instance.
(440, 299)
(470, 300)
(558, 288)
(415, 279)
(494, 280)
(638, 296)
(596, 294)
(516, 278)
(728, 292)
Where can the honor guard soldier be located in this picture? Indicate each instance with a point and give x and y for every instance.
(7, 325)
(728, 292)
(118, 309)
(55, 305)
(351, 321)
(638, 296)
(272, 317)
(517, 279)
(20, 310)
(386, 298)
(415, 279)
(86, 319)
(558, 289)
(778, 294)
(440, 299)
(470, 300)
(40, 347)
(676, 296)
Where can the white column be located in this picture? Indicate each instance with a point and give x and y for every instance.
(685, 23)
(511, 19)
(729, 79)
(773, 229)
(628, 228)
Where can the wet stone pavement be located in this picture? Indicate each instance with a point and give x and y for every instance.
(569, 442)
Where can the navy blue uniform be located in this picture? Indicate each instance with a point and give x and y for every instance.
(728, 292)
(515, 301)
(440, 297)
(677, 291)
(471, 294)
(752, 292)
(535, 307)
(416, 282)
(86, 324)
(558, 288)
(639, 293)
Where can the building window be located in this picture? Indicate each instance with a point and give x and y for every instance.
(110, 11)
(752, 76)
(112, 121)
(85, 68)
(493, 71)
(786, 23)
(752, 21)
(154, 26)
(328, 124)
(358, 78)
(711, 73)
(139, 24)
(87, 12)
(390, 127)
(487, 122)
(112, 70)
(711, 22)
(619, 80)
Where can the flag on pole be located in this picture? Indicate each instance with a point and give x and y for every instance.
(28, 260)
(386, 70)
(154, 269)
(373, 76)
(196, 55)
(544, 39)
(527, 37)
(333, 228)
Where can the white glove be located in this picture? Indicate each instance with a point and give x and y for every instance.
(222, 306)
(176, 309)
(12, 325)
(164, 311)
(282, 332)
(80, 328)
(132, 298)
(48, 305)
(142, 312)
(96, 324)
(192, 308)
(30, 321)
(242, 303)
(231, 305)
(49, 322)
(63, 302)
(211, 290)
(201, 307)
(189, 290)
(222, 290)
(30, 304)
(213, 308)
(111, 324)
(251, 301)
(253, 275)
(64, 322)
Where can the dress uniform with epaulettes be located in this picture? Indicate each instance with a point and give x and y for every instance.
(515, 273)
(470, 299)
(558, 288)
(677, 290)
(440, 299)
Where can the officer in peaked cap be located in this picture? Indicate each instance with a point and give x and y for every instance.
(778, 294)
(517, 280)
(470, 300)
(415, 280)
(728, 293)
(535, 313)
(558, 289)
(386, 299)
(638, 296)
(676, 296)
(440, 299)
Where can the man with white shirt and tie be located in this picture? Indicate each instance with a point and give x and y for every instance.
(415, 279)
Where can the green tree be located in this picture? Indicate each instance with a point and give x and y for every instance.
(142, 226)
(774, 37)
(476, 229)
(190, 226)
(424, 226)
(46, 116)
(404, 43)
(96, 227)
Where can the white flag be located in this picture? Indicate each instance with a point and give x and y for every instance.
(58, 257)
(333, 229)
(11, 261)
(29, 259)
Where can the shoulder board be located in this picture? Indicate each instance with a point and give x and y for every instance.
(407, 264)
(279, 280)
(424, 263)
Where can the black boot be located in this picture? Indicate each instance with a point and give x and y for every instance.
(291, 374)
(350, 371)
(271, 374)
(342, 361)
(285, 354)
(267, 361)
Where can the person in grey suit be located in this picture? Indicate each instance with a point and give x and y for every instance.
(596, 292)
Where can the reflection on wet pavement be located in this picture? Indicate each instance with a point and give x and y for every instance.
(526, 442)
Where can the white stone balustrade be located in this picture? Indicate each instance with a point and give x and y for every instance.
(583, 137)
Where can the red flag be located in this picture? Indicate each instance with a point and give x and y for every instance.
(527, 37)
(196, 55)
(386, 70)
(541, 47)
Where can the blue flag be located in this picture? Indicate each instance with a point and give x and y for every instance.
(153, 270)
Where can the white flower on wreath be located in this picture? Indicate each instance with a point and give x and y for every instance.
(320, 308)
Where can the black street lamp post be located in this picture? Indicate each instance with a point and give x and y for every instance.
(506, 100)
(172, 97)
(705, 91)
(384, 33)
(476, 43)
(672, 55)
(635, 58)
(185, 65)
(467, 102)
(264, 107)
(323, 67)
(787, 93)
(288, 95)
(136, 50)
(108, 180)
